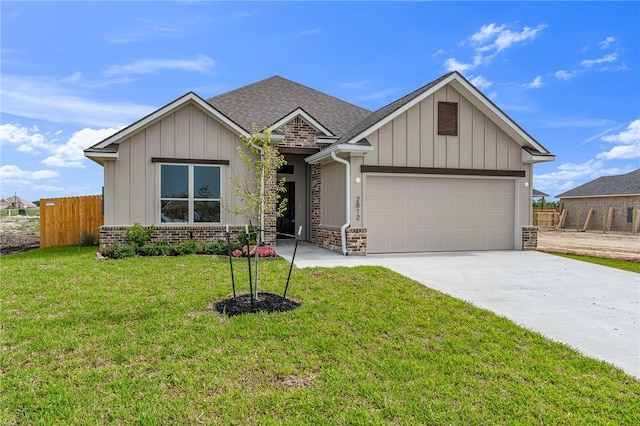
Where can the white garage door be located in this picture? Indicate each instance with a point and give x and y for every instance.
(410, 214)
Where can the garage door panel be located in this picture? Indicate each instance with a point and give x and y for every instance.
(404, 214)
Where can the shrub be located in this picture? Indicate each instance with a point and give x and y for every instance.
(119, 252)
(138, 235)
(187, 247)
(87, 239)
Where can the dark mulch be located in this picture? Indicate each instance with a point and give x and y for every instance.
(266, 302)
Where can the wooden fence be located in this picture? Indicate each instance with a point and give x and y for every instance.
(545, 218)
(64, 220)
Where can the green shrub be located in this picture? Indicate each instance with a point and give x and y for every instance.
(119, 252)
(187, 247)
(138, 235)
(215, 247)
(87, 239)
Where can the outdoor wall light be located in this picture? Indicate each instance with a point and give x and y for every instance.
(357, 180)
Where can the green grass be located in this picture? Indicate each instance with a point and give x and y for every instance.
(612, 263)
(135, 341)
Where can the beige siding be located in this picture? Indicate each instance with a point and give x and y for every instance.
(333, 194)
(188, 132)
(411, 139)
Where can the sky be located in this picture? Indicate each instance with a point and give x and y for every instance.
(73, 73)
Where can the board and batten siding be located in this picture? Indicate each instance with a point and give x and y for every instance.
(333, 194)
(411, 139)
(188, 132)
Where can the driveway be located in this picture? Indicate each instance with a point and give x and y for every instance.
(592, 308)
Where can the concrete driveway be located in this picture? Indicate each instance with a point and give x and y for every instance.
(592, 308)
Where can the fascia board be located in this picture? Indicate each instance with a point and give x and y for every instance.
(492, 111)
(183, 100)
(347, 148)
(306, 116)
(399, 111)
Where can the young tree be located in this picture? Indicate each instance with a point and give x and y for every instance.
(259, 190)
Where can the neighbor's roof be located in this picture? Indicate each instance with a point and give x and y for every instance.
(537, 193)
(627, 184)
(267, 101)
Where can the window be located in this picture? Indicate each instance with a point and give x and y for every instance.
(629, 214)
(448, 118)
(189, 193)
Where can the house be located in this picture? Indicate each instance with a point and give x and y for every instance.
(442, 168)
(616, 196)
(16, 202)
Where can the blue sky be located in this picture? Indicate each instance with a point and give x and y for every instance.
(72, 73)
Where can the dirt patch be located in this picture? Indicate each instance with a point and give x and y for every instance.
(17, 235)
(610, 245)
(265, 302)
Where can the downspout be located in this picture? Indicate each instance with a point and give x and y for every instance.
(343, 229)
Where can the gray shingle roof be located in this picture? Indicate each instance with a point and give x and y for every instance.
(537, 193)
(628, 184)
(267, 101)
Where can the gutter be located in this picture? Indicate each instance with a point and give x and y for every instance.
(343, 229)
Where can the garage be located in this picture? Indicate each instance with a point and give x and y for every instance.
(432, 213)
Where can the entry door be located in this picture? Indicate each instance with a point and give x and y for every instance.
(287, 222)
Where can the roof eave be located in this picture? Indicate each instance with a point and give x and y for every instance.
(324, 156)
(529, 157)
(101, 157)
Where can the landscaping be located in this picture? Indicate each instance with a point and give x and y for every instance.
(612, 263)
(138, 341)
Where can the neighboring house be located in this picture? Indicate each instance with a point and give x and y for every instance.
(16, 202)
(620, 193)
(440, 169)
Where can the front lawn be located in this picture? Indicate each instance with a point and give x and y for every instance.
(135, 341)
(612, 263)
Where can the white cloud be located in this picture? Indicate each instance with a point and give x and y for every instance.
(480, 82)
(565, 75)
(11, 172)
(200, 63)
(606, 42)
(71, 153)
(535, 84)
(361, 84)
(490, 40)
(607, 58)
(28, 140)
(67, 153)
(570, 175)
(627, 143)
(57, 100)
(380, 94)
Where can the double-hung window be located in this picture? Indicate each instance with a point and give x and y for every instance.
(189, 193)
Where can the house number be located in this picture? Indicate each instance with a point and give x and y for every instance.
(357, 208)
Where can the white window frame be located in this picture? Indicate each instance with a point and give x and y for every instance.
(190, 198)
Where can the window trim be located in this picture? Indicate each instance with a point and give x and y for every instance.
(190, 199)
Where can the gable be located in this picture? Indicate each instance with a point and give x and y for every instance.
(108, 149)
(412, 138)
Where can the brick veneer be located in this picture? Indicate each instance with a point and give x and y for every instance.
(297, 133)
(580, 207)
(329, 238)
(529, 237)
(116, 235)
(316, 202)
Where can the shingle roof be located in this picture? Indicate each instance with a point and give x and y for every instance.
(267, 101)
(627, 184)
(537, 193)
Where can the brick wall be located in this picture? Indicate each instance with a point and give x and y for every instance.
(529, 237)
(329, 238)
(316, 202)
(116, 235)
(578, 208)
(297, 133)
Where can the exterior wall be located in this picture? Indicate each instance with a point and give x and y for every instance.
(333, 194)
(316, 202)
(529, 238)
(116, 235)
(329, 238)
(412, 140)
(131, 182)
(578, 208)
(298, 133)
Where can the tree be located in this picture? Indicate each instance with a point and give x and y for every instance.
(259, 190)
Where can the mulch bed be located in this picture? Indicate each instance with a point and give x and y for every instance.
(266, 302)
(18, 242)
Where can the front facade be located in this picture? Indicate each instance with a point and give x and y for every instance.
(441, 169)
(614, 200)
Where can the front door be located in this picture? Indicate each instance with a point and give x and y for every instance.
(287, 222)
